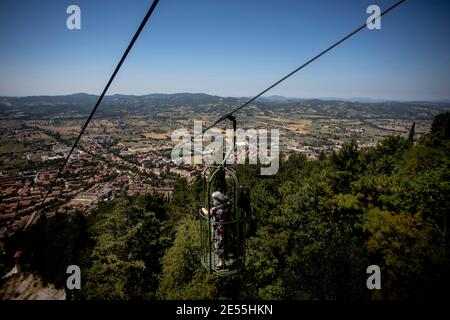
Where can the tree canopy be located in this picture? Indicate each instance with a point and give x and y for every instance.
(312, 230)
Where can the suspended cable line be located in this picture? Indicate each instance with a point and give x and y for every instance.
(229, 114)
(124, 56)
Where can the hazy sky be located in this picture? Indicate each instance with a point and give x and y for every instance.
(228, 48)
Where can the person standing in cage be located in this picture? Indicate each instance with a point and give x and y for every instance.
(220, 214)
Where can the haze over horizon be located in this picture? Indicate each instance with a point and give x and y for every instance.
(267, 97)
(229, 49)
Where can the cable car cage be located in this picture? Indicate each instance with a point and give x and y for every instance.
(233, 227)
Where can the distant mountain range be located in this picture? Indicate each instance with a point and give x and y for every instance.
(80, 104)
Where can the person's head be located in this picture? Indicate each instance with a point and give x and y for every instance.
(218, 198)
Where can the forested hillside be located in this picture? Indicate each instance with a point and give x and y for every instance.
(313, 229)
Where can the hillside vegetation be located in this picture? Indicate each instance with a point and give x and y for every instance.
(313, 229)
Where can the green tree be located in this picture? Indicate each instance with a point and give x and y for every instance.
(182, 275)
(124, 261)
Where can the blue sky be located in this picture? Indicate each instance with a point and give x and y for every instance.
(228, 48)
